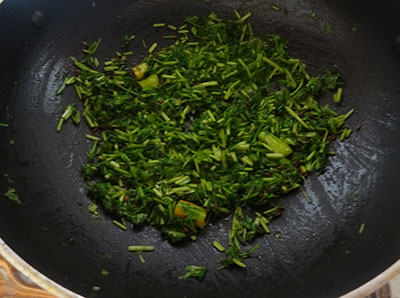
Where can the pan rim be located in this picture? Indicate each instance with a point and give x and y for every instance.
(33, 274)
(376, 283)
(59, 291)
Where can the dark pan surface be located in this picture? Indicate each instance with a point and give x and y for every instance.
(315, 249)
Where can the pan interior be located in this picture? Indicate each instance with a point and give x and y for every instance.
(313, 250)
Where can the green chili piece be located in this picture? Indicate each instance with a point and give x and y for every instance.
(151, 82)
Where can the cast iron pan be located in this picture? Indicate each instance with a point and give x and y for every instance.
(314, 250)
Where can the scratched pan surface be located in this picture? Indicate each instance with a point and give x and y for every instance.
(314, 250)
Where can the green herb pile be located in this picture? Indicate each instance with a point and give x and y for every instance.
(219, 120)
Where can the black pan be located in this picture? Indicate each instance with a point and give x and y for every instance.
(315, 250)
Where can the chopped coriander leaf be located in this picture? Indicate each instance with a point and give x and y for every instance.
(140, 248)
(93, 209)
(218, 246)
(159, 25)
(314, 16)
(104, 272)
(362, 227)
(337, 97)
(306, 196)
(120, 225)
(153, 47)
(127, 40)
(193, 271)
(328, 28)
(275, 7)
(12, 196)
(141, 258)
(243, 231)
